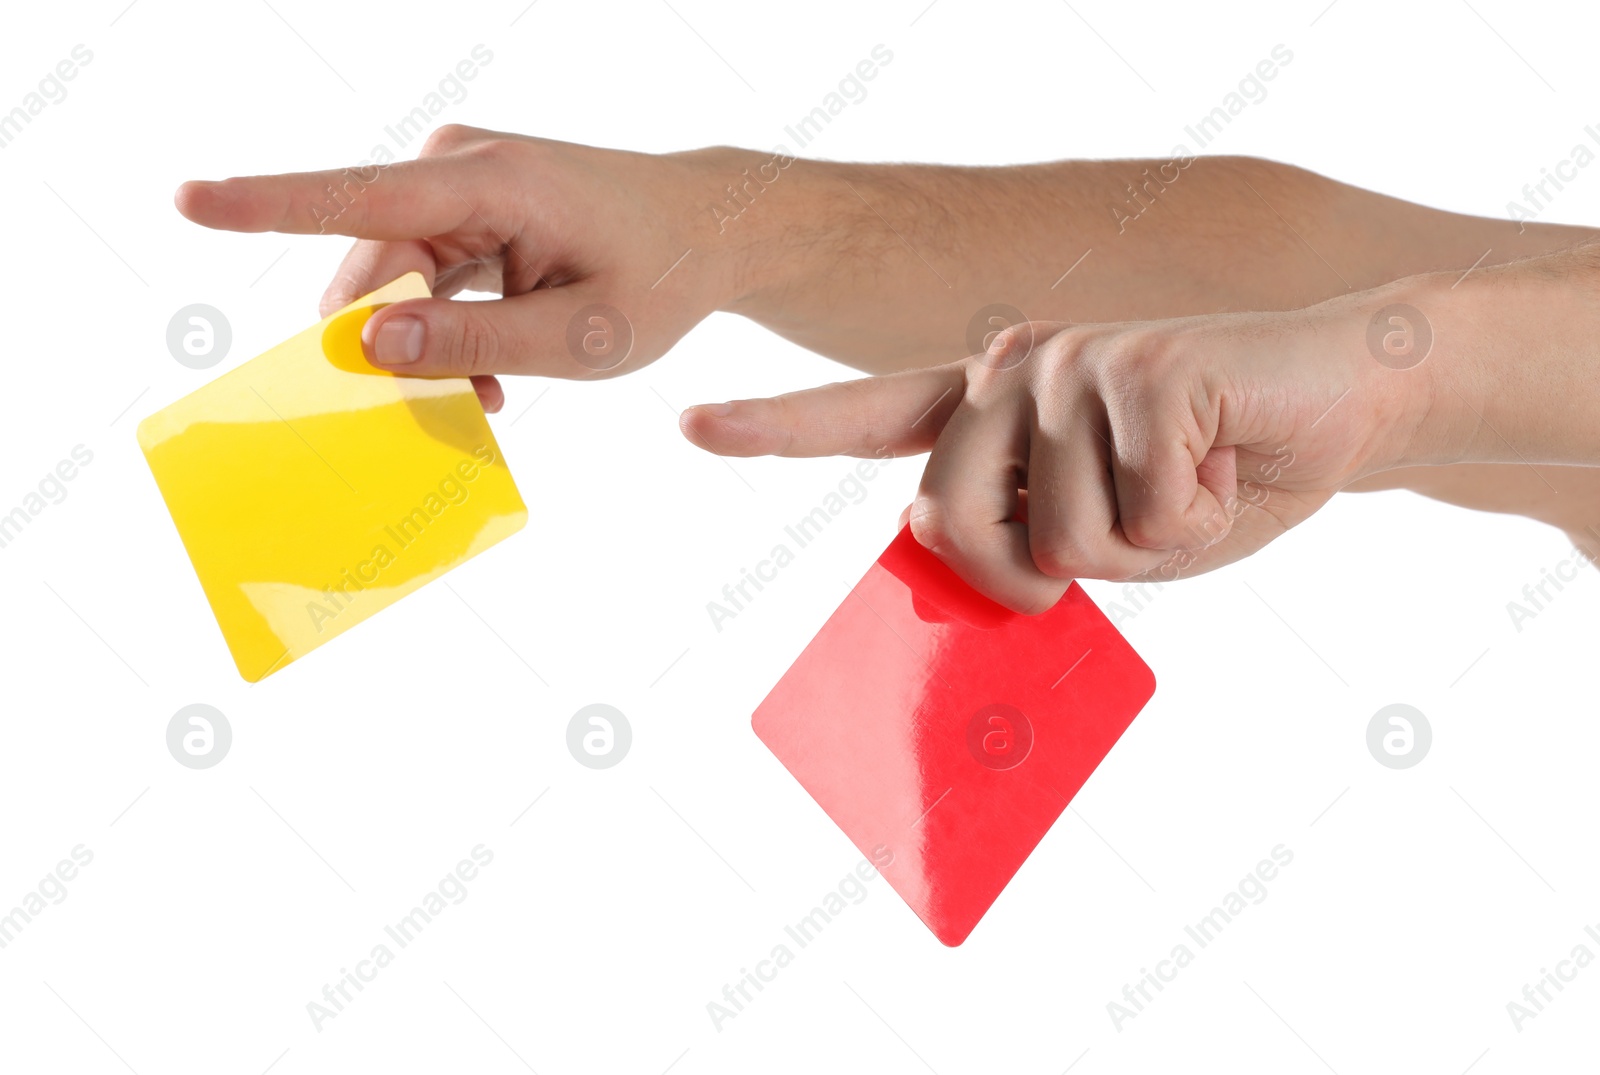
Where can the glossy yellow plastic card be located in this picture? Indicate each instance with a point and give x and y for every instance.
(312, 489)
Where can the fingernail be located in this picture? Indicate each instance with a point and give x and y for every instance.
(718, 410)
(398, 341)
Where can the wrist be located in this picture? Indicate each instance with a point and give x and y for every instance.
(1501, 362)
(1461, 363)
(1414, 410)
(1425, 318)
(754, 216)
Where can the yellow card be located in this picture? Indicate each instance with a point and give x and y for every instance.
(312, 489)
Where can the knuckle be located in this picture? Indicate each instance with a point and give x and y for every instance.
(859, 400)
(341, 291)
(1063, 355)
(1013, 347)
(360, 210)
(781, 412)
(933, 525)
(1036, 604)
(1032, 334)
(1129, 370)
(1149, 532)
(447, 139)
(1060, 559)
(473, 346)
(1139, 365)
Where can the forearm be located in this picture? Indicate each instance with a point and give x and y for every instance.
(884, 266)
(1497, 366)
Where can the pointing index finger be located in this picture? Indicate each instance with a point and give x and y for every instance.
(405, 200)
(902, 412)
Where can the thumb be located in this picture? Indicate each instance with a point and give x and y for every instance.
(548, 332)
(899, 412)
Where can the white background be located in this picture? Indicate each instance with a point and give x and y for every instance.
(221, 901)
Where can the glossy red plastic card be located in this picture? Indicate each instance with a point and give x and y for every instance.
(945, 734)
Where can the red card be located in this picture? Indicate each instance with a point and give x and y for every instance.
(945, 734)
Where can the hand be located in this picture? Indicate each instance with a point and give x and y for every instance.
(1149, 449)
(552, 227)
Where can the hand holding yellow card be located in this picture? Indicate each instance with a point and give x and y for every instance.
(312, 489)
